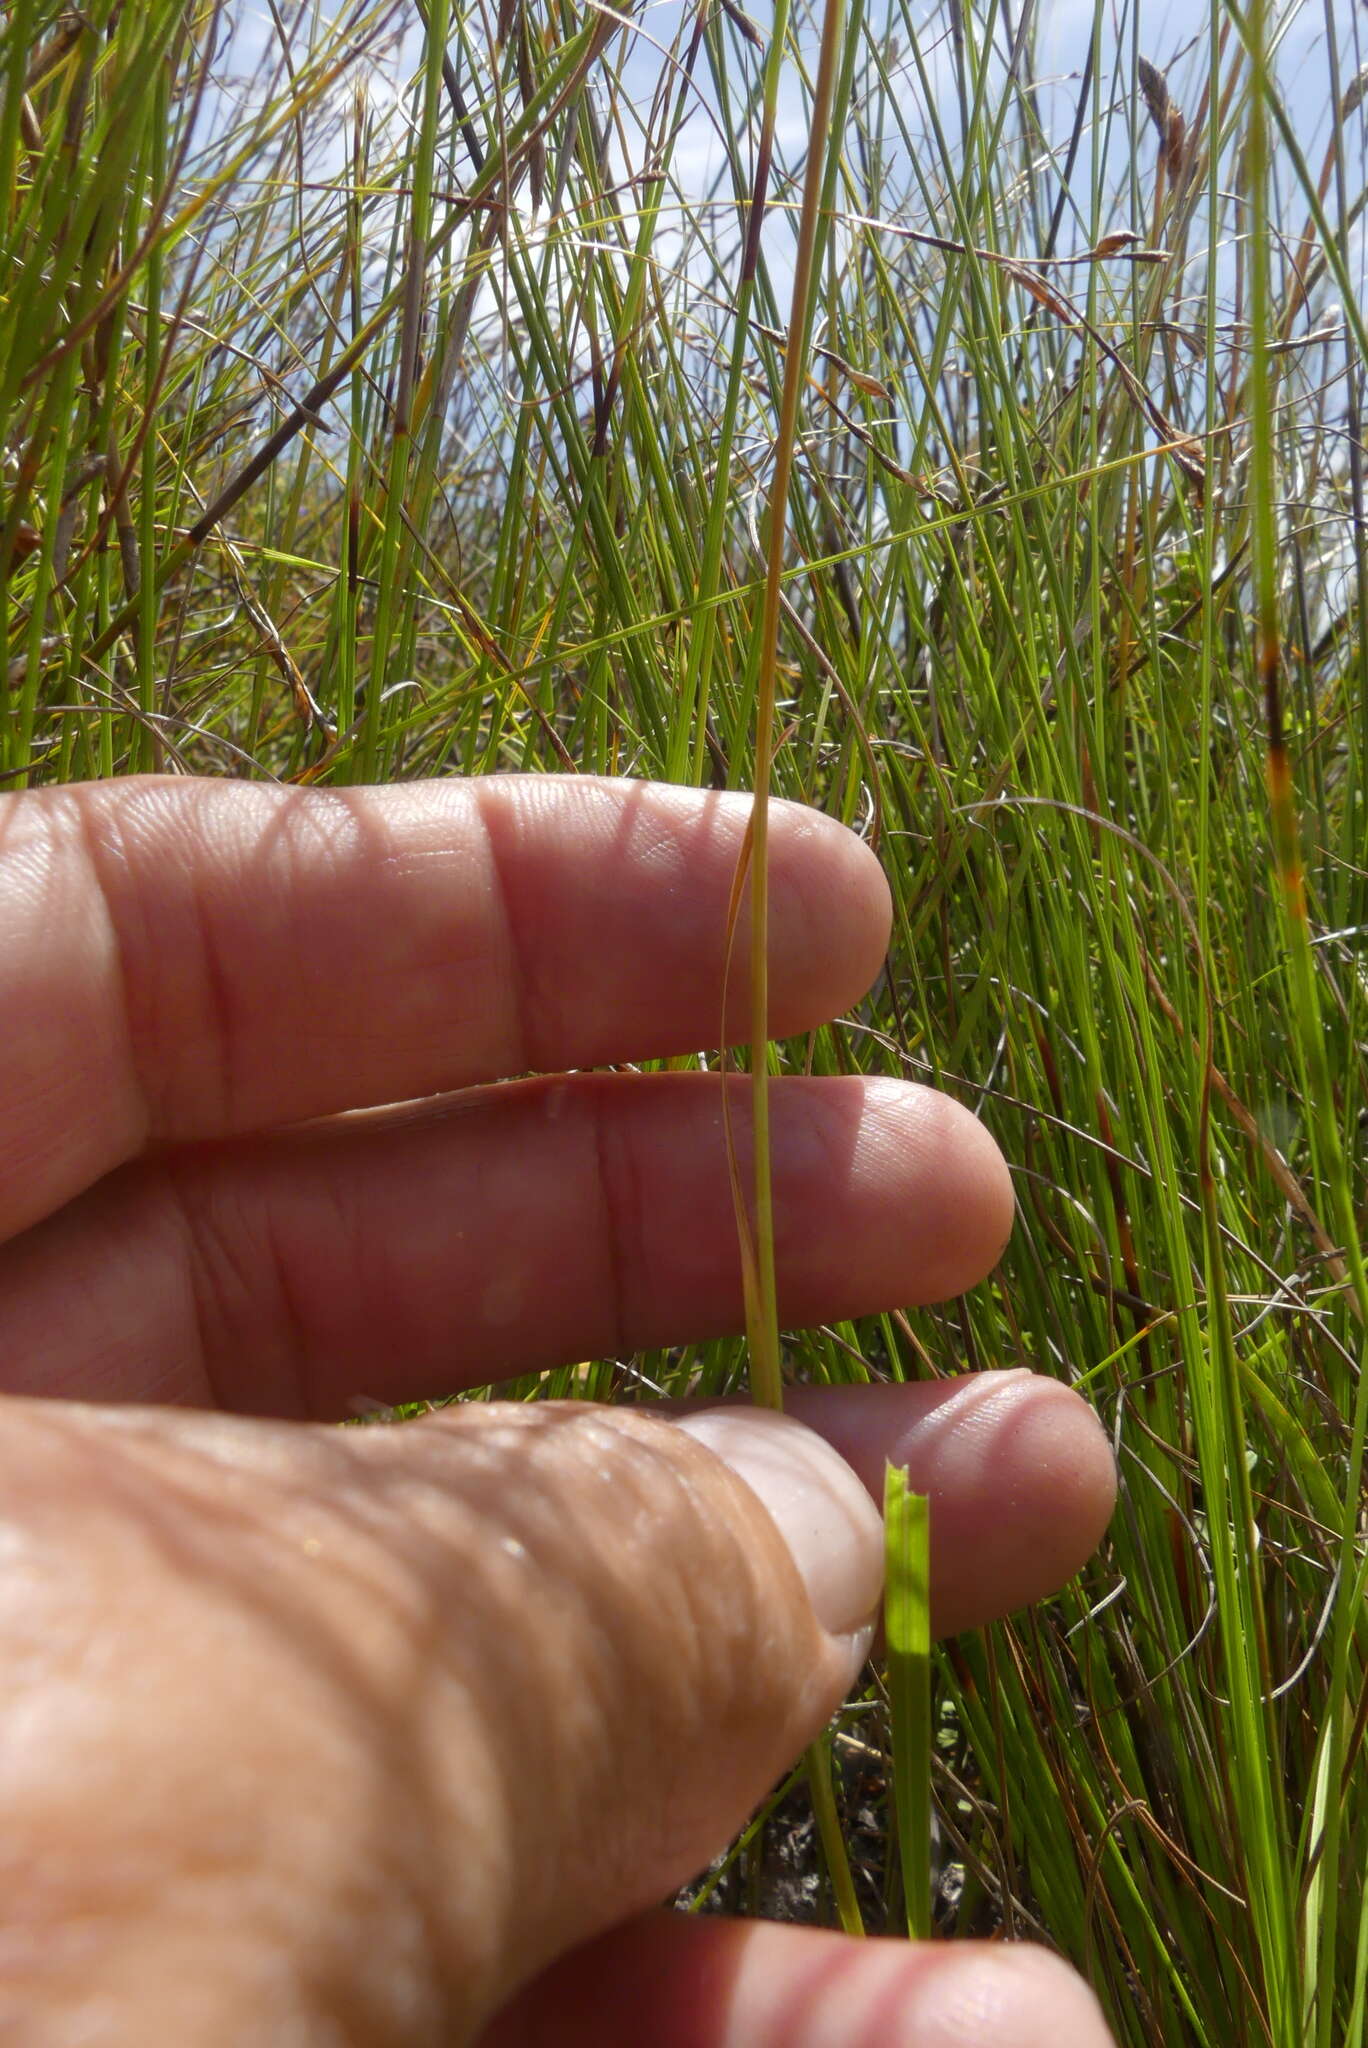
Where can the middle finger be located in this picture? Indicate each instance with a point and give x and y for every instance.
(497, 1232)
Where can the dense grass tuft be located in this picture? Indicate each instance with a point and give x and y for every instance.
(353, 428)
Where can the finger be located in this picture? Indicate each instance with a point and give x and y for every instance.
(681, 1982)
(505, 1231)
(187, 959)
(312, 1722)
(1020, 1477)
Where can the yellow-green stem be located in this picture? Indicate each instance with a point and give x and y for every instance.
(763, 1314)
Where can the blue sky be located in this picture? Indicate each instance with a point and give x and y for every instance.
(1171, 34)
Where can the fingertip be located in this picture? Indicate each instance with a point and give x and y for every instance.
(967, 1204)
(1031, 1484)
(831, 917)
(886, 1193)
(1058, 1448)
(685, 1982)
(1020, 1476)
(1012, 1994)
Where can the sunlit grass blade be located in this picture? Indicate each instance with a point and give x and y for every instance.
(907, 1632)
(835, 1854)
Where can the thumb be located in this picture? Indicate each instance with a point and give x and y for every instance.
(369, 1725)
(647, 1620)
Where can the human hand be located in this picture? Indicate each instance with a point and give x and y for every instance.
(316, 1736)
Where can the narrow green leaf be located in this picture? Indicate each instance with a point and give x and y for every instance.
(907, 1629)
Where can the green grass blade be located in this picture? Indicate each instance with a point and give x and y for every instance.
(907, 1629)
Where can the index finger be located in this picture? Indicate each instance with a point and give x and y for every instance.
(187, 959)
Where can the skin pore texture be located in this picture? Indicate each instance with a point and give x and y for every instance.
(338, 1737)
